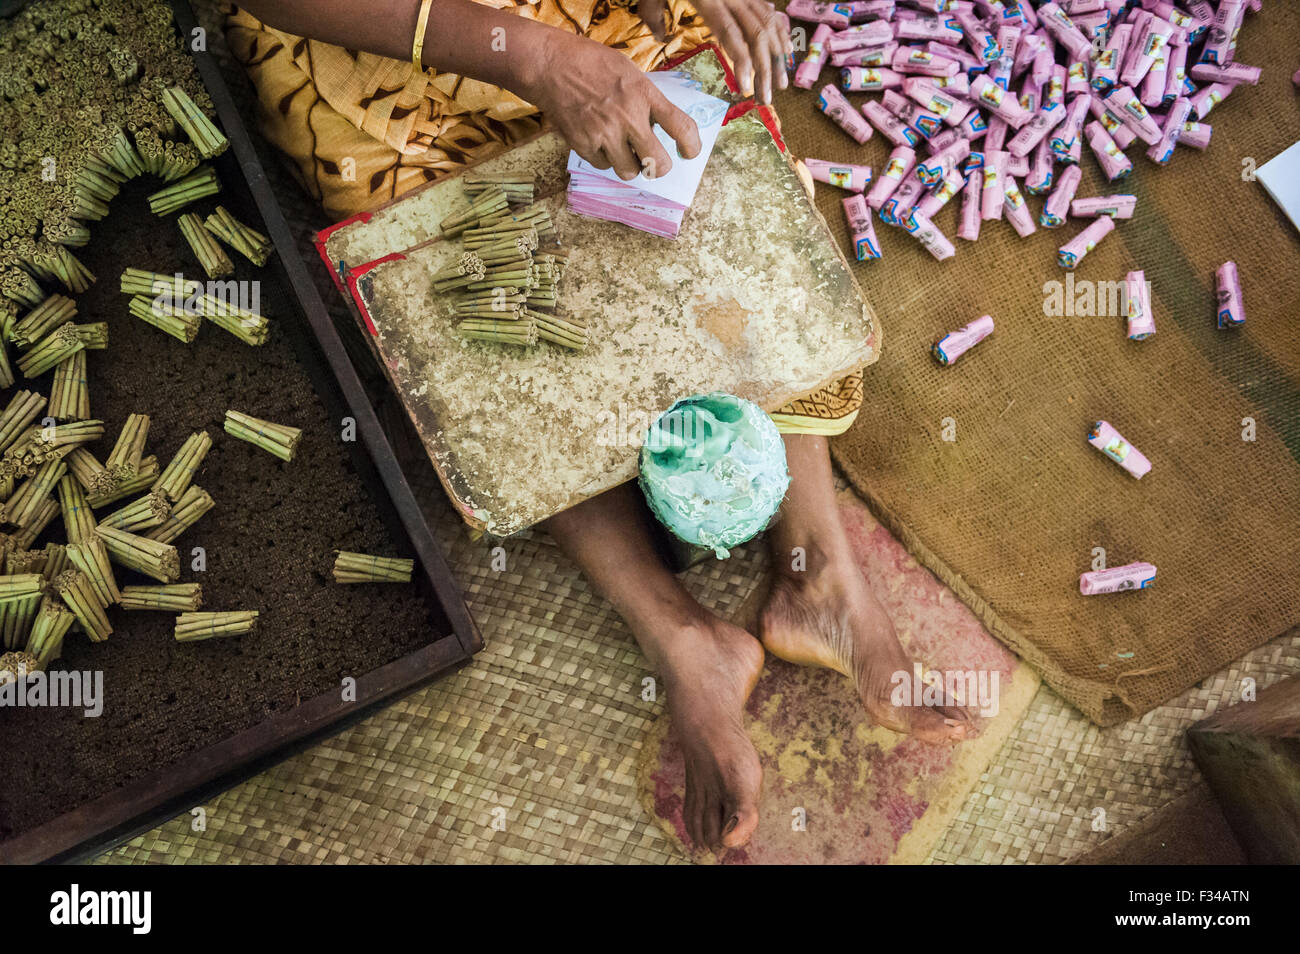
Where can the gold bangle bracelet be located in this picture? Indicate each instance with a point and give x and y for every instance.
(421, 24)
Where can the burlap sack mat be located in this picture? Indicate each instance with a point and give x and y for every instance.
(1009, 512)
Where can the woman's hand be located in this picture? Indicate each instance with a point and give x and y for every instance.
(752, 33)
(606, 108)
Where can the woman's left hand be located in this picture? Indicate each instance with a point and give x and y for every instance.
(751, 32)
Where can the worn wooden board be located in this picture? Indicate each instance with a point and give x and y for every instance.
(753, 297)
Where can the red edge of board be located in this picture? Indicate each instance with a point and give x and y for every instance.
(354, 274)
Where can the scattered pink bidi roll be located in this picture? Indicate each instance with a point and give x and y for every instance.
(1072, 252)
(1118, 579)
(863, 232)
(833, 104)
(833, 14)
(897, 166)
(805, 77)
(1231, 312)
(842, 175)
(1116, 206)
(956, 343)
(1137, 307)
(1110, 442)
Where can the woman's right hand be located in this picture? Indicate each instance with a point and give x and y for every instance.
(606, 108)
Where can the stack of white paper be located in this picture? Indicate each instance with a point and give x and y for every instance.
(1280, 176)
(652, 205)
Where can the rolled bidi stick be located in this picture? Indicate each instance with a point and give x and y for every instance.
(936, 100)
(1018, 214)
(1073, 252)
(956, 343)
(1124, 103)
(917, 61)
(1231, 313)
(280, 440)
(969, 227)
(806, 76)
(1197, 135)
(898, 165)
(897, 207)
(928, 124)
(351, 567)
(1116, 206)
(833, 14)
(174, 597)
(1110, 442)
(1118, 579)
(868, 56)
(857, 79)
(945, 29)
(1114, 164)
(993, 196)
(893, 128)
(930, 204)
(998, 101)
(1057, 206)
(1222, 39)
(1171, 131)
(195, 627)
(1039, 126)
(863, 232)
(1207, 97)
(842, 175)
(931, 239)
(833, 104)
(1137, 307)
(875, 33)
(1231, 74)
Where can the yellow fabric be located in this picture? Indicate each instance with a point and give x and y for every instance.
(829, 412)
(798, 424)
(362, 129)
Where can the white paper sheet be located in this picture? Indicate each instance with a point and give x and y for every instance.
(1280, 177)
(679, 185)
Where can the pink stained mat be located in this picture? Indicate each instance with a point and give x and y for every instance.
(861, 794)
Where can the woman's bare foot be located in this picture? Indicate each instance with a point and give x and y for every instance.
(709, 667)
(709, 674)
(831, 618)
(826, 614)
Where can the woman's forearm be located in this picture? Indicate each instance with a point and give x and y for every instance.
(463, 37)
(595, 97)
